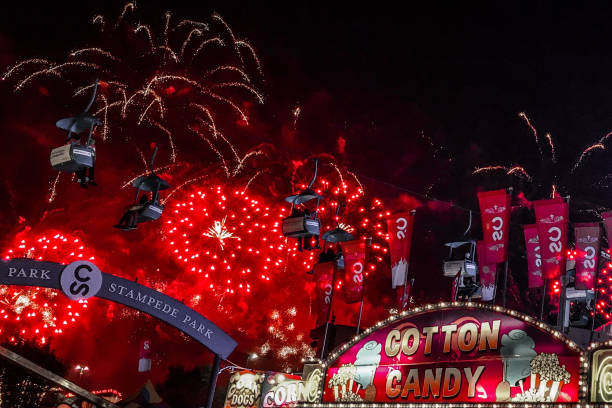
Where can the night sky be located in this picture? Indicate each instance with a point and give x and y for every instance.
(421, 94)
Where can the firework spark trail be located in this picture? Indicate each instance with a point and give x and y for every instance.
(552, 147)
(170, 139)
(180, 187)
(53, 188)
(195, 31)
(131, 6)
(198, 24)
(487, 169)
(105, 120)
(243, 86)
(80, 64)
(603, 139)
(168, 15)
(106, 107)
(99, 19)
(94, 50)
(296, 116)
(241, 161)
(128, 102)
(206, 42)
(212, 146)
(357, 180)
(339, 174)
(21, 84)
(217, 17)
(199, 87)
(54, 70)
(144, 173)
(166, 50)
(135, 103)
(248, 183)
(147, 30)
(160, 106)
(142, 157)
(243, 43)
(16, 67)
(533, 129)
(586, 152)
(229, 68)
(205, 110)
(520, 170)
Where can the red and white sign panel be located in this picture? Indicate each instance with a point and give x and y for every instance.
(354, 253)
(552, 218)
(587, 254)
(456, 355)
(324, 277)
(495, 215)
(399, 228)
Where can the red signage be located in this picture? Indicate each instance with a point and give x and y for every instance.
(495, 214)
(324, 278)
(551, 218)
(456, 354)
(354, 270)
(399, 227)
(587, 254)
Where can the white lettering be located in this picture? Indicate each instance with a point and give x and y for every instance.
(402, 224)
(498, 224)
(554, 236)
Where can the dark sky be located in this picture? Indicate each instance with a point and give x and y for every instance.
(388, 78)
(466, 69)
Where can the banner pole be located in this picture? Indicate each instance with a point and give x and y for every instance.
(594, 302)
(543, 299)
(495, 287)
(359, 320)
(505, 284)
(329, 312)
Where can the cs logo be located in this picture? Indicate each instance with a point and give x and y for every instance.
(81, 280)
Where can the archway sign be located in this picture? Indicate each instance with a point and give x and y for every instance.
(83, 280)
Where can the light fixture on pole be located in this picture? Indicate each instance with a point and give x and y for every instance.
(252, 356)
(81, 369)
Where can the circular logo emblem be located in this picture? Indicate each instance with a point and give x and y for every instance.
(81, 280)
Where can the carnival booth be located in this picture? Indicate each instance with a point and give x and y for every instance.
(453, 354)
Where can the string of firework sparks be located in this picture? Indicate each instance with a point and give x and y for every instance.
(520, 171)
(150, 105)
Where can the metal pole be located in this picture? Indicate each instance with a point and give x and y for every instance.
(505, 284)
(213, 381)
(495, 287)
(543, 299)
(596, 289)
(360, 311)
(324, 338)
(329, 311)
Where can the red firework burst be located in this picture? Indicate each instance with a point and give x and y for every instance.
(230, 238)
(38, 313)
